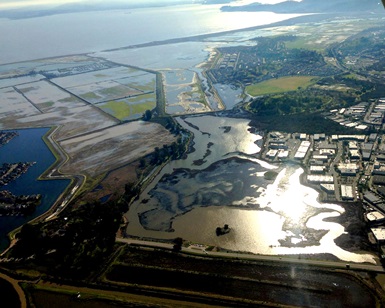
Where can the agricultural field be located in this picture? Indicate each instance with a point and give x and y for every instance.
(47, 97)
(15, 105)
(122, 92)
(86, 99)
(280, 85)
(101, 151)
(130, 108)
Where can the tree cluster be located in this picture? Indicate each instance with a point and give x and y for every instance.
(310, 100)
(75, 245)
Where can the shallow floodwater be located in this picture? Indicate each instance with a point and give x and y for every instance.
(229, 94)
(222, 182)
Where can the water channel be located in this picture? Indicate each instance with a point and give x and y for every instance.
(222, 182)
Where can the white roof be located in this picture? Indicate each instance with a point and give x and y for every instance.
(272, 153)
(317, 168)
(373, 216)
(347, 191)
(283, 154)
(379, 233)
(320, 178)
(327, 151)
(328, 187)
(362, 127)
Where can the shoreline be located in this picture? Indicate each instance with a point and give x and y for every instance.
(201, 37)
(194, 38)
(65, 196)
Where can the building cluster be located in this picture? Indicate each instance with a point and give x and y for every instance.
(10, 172)
(13, 205)
(363, 116)
(342, 167)
(229, 61)
(7, 136)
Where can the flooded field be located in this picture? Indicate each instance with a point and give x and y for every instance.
(101, 151)
(183, 93)
(15, 104)
(230, 95)
(46, 97)
(222, 182)
(85, 97)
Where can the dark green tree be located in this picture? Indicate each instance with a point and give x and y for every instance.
(147, 115)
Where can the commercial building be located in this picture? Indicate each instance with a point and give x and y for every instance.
(328, 188)
(379, 234)
(302, 150)
(283, 154)
(349, 169)
(320, 178)
(271, 154)
(317, 169)
(372, 198)
(347, 192)
(374, 217)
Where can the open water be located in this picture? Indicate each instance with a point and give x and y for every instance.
(221, 182)
(29, 147)
(36, 38)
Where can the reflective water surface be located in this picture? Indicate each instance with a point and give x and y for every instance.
(222, 182)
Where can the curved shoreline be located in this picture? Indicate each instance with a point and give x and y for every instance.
(200, 37)
(65, 197)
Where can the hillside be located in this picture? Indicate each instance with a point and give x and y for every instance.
(310, 6)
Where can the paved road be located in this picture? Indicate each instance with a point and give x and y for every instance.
(252, 257)
(18, 289)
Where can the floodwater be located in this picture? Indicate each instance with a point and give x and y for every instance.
(222, 182)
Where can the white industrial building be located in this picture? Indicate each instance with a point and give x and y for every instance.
(379, 234)
(302, 150)
(320, 178)
(347, 192)
(349, 169)
(375, 217)
(328, 188)
(283, 154)
(317, 169)
(271, 154)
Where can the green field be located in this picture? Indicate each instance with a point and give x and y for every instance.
(280, 85)
(124, 110)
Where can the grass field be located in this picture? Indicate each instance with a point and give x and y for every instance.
(280, 85)
(128, 108)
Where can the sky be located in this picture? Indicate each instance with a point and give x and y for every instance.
(25, 3)
(7, 4)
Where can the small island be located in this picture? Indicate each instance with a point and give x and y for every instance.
(221, 231)
(6, 137)
(10, 172)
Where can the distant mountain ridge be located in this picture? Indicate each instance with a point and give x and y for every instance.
(40, 11)
(310, 6)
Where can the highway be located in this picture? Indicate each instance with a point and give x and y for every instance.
(196, 250)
